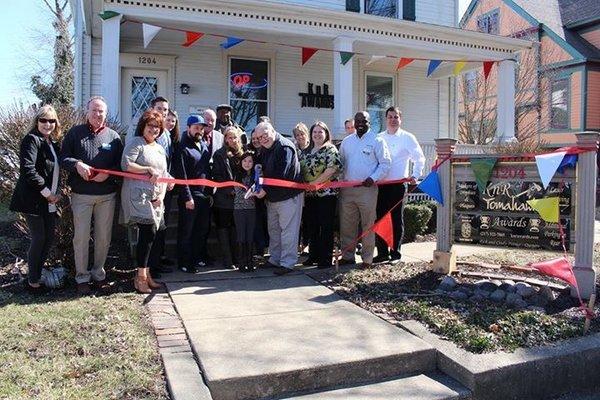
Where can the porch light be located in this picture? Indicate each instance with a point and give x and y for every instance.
(185, 88)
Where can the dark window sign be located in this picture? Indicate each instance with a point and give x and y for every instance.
(510, 231)
(315, 98)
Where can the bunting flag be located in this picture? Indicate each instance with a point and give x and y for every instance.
(108, 15)
(569, 161)
(150, 31)
(459, 67)
(547, 208)
(345, 56)
(547, 164)
(482, 169)
(433, 64)
(191, 38)
(559, 268)
(431, 186)
(230, 42)
(375, 58)
(307, 53)
(404, 62)
(385, 229)
(487, 67)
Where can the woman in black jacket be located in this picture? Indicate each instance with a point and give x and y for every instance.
(36, 192)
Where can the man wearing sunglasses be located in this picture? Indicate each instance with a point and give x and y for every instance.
(87, 146)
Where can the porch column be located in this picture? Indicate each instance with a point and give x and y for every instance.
(342, 86)
(111, 77)
(585, 210)
(505, 131)
(444, 148)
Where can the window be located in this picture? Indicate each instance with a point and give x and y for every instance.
(383, 8)
(559, 104)
(379, 96)
(248, 90)
(489, 22)
(471, 85)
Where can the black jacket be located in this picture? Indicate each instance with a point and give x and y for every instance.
(281, 162)
(224, 169)
(35, 173)
(191, 161)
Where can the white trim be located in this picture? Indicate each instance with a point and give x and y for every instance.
(395, 89)
(163, 63)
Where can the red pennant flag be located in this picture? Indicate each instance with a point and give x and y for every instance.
(385, 229)
(559, 268)
(487, 67)
(404, 62)
(307, 53)
(191, 37)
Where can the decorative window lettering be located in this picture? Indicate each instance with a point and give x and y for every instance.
(314, 97)
(248, 90)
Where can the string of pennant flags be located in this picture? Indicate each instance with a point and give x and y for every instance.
(151, 30)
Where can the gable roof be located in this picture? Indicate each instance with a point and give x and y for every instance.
(575, 12)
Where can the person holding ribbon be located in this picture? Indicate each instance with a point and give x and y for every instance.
(37, 190)
(142, 200)
(226, 161)
(366, 159)
(320, 164)
(93, 195)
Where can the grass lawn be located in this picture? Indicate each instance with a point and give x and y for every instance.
(77, 348)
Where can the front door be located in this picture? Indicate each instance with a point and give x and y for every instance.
(139, 88)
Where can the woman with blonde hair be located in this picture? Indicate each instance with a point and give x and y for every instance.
(37, 189)
(226, 162)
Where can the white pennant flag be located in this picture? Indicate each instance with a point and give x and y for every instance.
(375, 58)
(150, 31)
(547, 165)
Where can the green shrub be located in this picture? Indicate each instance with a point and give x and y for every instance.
(431, 225)
(416, 218)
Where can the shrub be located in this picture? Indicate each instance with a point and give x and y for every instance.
(416, 217)
(431, 225)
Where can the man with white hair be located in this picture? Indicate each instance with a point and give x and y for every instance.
(284, 205)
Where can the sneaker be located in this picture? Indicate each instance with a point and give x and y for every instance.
(395, 257)
(200, 264)
(83, 289)
(101, 285)
(283, 271)
(381, 259)
(189, 270)
(359, 249)
(310, 262)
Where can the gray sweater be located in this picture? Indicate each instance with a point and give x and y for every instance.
(101, 150)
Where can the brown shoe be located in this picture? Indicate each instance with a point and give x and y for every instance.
(141, 285)
(152, 284)
(83, 289)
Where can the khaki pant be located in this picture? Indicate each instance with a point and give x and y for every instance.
(102, 208)
(283, 218)
(356, 204)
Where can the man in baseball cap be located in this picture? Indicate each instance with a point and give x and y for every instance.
(192, 162)
(224, 119)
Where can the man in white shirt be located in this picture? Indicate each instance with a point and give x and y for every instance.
(403, 147)
(365, 158)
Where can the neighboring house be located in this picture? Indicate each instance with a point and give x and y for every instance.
(267, 78)
(557, 82)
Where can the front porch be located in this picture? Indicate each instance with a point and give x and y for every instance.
(271, 56)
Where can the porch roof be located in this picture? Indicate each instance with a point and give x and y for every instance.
(307, 26)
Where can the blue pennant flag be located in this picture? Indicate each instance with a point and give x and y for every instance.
(433, 64)
(230, 42)
(569, 160)
(431, 186)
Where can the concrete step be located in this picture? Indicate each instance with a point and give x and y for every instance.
(417, 387)
(269, 336)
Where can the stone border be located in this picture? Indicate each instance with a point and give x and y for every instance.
(183, 375)
(533, 373)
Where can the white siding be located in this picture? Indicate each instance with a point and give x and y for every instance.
(329, 4)
(439, 12)
(419, 100)
(96, 67)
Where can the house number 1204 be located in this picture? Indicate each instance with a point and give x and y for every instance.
(146, 60)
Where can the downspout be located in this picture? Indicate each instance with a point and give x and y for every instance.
(539, 82)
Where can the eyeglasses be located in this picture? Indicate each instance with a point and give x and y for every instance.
(153, 126)
(44, 120)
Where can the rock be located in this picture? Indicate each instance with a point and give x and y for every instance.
(537, 309)
(538, 300)
(512, 298)
(547, 293)
(448, 283)
(520, 304)
(486, 285)
(498, 295)
(508, 286)
(465, 289)
(458, 295)
(478, 298)
(483, 293)
(524, 289)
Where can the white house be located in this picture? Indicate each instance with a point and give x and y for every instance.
(264, 75)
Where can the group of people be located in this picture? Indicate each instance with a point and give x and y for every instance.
(248, 216)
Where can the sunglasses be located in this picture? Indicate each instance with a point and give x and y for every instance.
(44, 120)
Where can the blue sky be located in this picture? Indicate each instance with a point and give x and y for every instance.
(23, 49)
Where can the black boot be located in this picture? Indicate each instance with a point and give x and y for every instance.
(249, 257)
(240, 252)
(225, 246)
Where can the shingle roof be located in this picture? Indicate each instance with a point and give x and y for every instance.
(574, 11)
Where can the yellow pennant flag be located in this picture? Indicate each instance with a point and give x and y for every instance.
(458, 66)
(547, 208)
